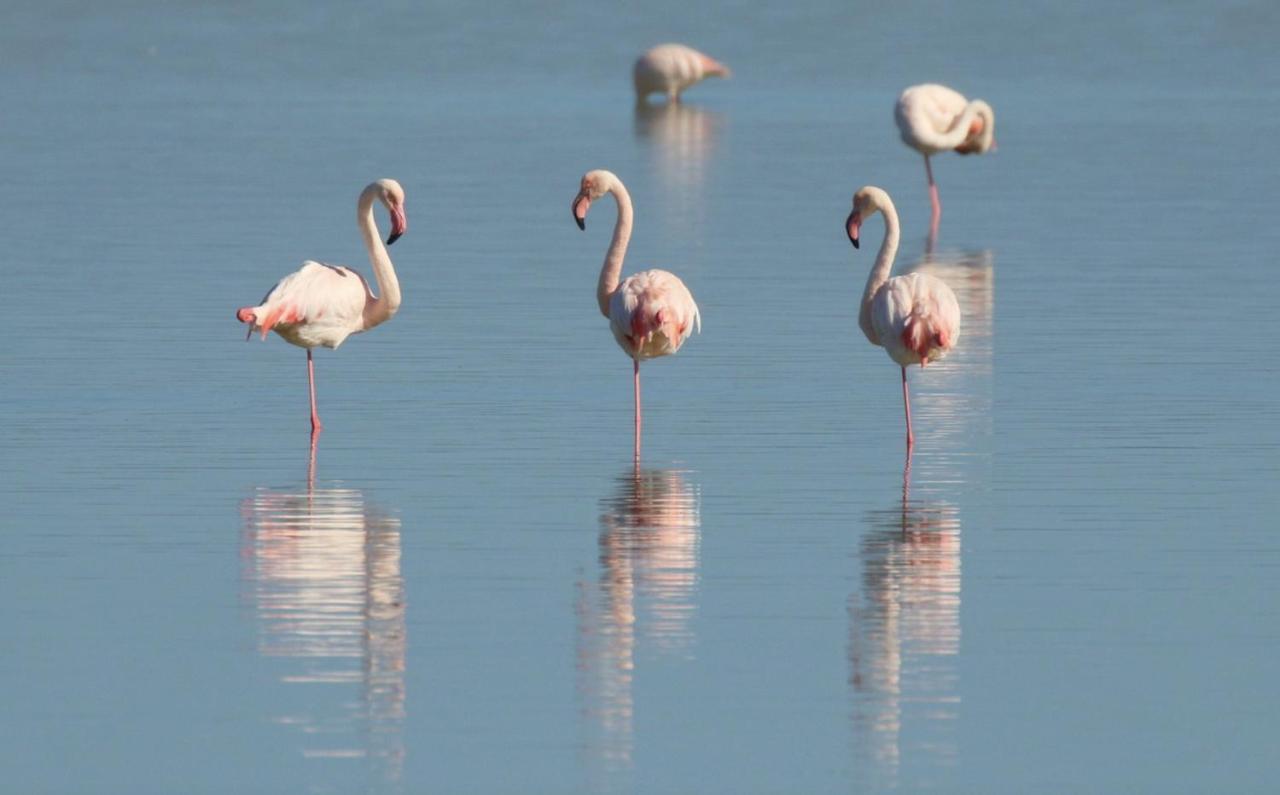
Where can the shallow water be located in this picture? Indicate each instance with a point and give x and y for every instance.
(470, 588)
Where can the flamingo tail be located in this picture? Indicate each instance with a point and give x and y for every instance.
(922, 333)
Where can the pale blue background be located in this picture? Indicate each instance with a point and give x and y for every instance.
(1084, 597)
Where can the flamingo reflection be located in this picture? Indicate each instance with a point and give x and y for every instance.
(904, 635)
(682, 139)
(956, 400)
(322, 569)
(649, 539)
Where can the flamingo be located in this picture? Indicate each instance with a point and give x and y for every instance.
(321, 304)
(915, 317)
(933, 118)
(651, 313)
(671, 68)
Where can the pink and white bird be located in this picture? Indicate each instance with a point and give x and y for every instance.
(651, 313)
(321, 305)
(671, 68)
(915, 317)
(933, 118)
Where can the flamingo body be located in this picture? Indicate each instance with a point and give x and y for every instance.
(669, 69)
(929, 120)
(318, 305)
(652, 313)
(916, 318)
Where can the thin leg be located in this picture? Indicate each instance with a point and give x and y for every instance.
(311, 382)
(906, 491)
(906, 404)
(933, 200)
(311, 463)
(637, 386)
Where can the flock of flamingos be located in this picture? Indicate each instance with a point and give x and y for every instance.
(914, 317)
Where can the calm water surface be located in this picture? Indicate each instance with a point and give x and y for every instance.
(470, 588)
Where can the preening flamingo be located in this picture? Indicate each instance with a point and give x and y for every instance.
(933, 118)
(651, 313)
(671, 68)
(321, 304)
(915, 317)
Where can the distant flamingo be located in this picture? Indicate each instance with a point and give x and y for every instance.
(671, 68)
(933, 118)
(651, 313)
(915, 317)
(323, 304)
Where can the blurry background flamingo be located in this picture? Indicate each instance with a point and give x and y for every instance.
(932, 119)
(669, 69)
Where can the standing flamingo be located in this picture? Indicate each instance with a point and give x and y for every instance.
(915, 317)
(651, 313)
(321, 304)
(933, 118)
(671, 68)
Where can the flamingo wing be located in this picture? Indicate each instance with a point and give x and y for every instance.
(654, 301)
(317, 304)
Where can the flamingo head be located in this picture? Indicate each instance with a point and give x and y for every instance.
(982, 131)
(866, 202)
(391, 195)
(594, 185)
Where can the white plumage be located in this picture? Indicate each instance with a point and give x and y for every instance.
(318, 305)
(919, 305)
(932, 118)
(657, 300)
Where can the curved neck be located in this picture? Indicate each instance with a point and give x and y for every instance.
(379, 308)
(959, 132)
(611, 271)
(880, 271)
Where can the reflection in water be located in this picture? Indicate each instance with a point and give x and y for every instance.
(682, 139)
(904, 632)
(904, 635)
(322, 569)
(648, 584)
(954, 403)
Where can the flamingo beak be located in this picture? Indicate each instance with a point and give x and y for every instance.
(580, 207)
(852, 225)
(398, 224)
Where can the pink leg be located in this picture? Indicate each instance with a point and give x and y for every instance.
(906, 403)
(311, 463)
(311, 381)
(637, 387)
(933, 200)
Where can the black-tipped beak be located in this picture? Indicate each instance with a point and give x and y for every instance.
(851, 225)
(580, 207)
(398, 224)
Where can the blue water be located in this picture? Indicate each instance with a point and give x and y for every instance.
(471, 588)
